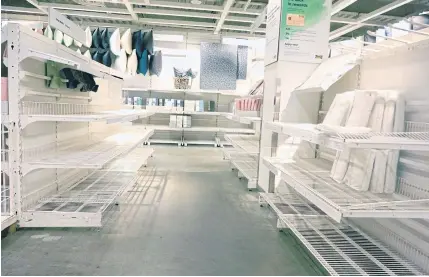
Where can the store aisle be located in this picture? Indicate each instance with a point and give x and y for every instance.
(188, 215)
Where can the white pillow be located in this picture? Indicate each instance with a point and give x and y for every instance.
(359, 115)
(115, 42)
(120, 62)
(132, 63)
(88, 36)
(126, 41)
(393, 156)
(48, 33)
(77, 43)
(376, 122)
(87, 54)
(58, 36)
(339, 109)
(360, 112)
(68, 40)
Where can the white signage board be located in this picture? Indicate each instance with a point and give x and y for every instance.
(58, 21)
(272, 31)
(304, 30)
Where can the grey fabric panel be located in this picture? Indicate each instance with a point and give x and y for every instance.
(218, 66)
(242, 62)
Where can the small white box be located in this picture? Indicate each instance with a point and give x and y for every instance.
(179, 121)
(189, 105)
(186, 121)
(173, 121)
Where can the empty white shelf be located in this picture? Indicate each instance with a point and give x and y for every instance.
(95, 156)
(72, 112)
(418, 141)
(246, 143)
(7, 220)
(82, 205)
(202, 129)
(311, 179)
(188, 91)
(242, 119)
(133, 161)
(341, 248)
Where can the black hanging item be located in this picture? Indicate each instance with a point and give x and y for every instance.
(97, 56)
(107, 59)
(67, 73)
(155, 63)
(137, 43)
(96, 39)
(148, 41)
(105, 38)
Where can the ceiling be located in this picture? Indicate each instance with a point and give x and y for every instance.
(239, 18)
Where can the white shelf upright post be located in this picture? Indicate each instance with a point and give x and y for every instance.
(296, 43)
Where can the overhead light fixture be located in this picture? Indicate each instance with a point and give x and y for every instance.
(196, 2)
(165, 37)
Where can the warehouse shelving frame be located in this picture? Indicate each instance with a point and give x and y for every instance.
(85, 154)
(199, 133)
(372, 214)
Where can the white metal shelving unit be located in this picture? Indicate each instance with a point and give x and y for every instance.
(208, 127)
(64, 147)
(352, 232)
(341, 248)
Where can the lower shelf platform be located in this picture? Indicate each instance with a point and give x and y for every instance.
(82, 205)
(7, 220)
(247, 166)
(341, 248)
(311, 179)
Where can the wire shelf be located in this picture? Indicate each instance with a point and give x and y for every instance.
(73, 112)
(311, 178)
(246, 143)
(247, 165)
(95, 156)
(341, 248)
(133, 161)
(370, 140)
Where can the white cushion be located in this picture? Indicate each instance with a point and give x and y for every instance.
(77, 43)
(359, 115)
(393, 156)
(360, 112)
(361, 164)
(48, 33)
(87, 54)
(68, 40)
(58, 36)
(120, 62)
(115, 42)
(376, 122)
(132, 63)
(88, 36)
(126, 41)
(339, 109)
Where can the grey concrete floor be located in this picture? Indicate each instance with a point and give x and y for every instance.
(188, 215)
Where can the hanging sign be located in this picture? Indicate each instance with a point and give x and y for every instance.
(274, 9)
(58, 21)
(304, 30)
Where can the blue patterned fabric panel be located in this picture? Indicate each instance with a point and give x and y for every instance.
(242, 62)
(218, 66)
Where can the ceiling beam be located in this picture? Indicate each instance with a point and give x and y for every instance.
(258, 20)
(226, 7)
(36, 4)
(341, 5)
(130, 10)
(362, 19)
(83, 8)
(177, 13)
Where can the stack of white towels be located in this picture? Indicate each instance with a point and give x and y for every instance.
(366, 111)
